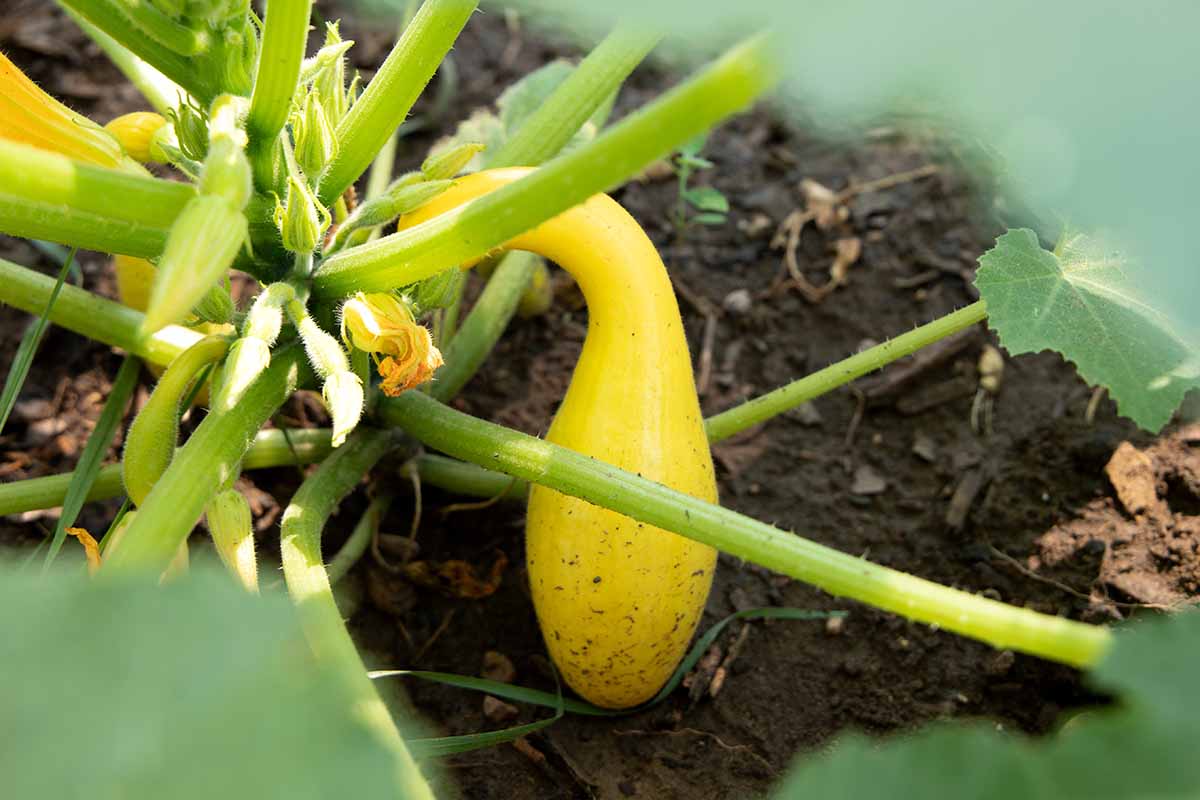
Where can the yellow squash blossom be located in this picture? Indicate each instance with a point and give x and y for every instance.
(382, 325)
(30, 116)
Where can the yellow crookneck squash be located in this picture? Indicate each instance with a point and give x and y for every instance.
(617, 600)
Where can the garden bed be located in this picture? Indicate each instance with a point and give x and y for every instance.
(891, 468)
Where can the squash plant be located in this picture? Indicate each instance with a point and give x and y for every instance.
(268, 142)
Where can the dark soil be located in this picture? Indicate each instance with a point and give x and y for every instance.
(893, 471)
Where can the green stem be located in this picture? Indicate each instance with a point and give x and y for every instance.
(46, 195)
(162, 92)
(285, 35)
(200, 469)
(176, 37)
(453, 475)
(840, 574)
(111, 18)
(471, 230)
(271, 448)
(359, 539)
(483, 326)
(309, 585)
(92, 316)
(588, 86)
(762, 408)
(391, 93)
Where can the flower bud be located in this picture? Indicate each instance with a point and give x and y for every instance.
(216, 306)
(231, 525)
(397, 200)
(316, 144)
(324, 353)
(247, 359)
(440, 290)
(451, 161)
(191, 130)
(202, 244)
(330, 79)
(266, 314)
(383, 325)
(227, 173)
(136, 132)
(343, 395)
(302, 221)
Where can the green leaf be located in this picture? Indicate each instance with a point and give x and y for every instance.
(706, 198)
(193, 690)
(1143, 746)
(1086, 302)
(709, 219)
(26, 350)
(88, 468)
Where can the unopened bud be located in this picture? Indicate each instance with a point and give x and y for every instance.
(191, 130)
(247, 359)
(398, 199)
(265, 318)
(231, 526)
(316, 144)
(324, 353)
(440, 290)
(302, 220)
(451, 161)
(202, 244)
(216, 306)
(137, 132)
(343, 394)
(330, 79)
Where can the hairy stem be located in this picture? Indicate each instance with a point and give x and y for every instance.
(308, 583)
(468, 232)
(91, 315)
(391, 93)
(162, 92)
(593, 82)
(762, 408)
(285, 35)
(46, 195)
(201, 467)
(840, 574)
(271, 448)
(111, 18)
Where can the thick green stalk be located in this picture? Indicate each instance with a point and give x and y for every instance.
(162, 92)
(482, 328)
(176, 37)
(308, 583)
(111, 18)
(748, 414)
(285, 35)
(201, 467)
(46, 195)
(595, 80)
(471, 230)
(840, 574)
(91, 315)
(391, 93)
(271, 448)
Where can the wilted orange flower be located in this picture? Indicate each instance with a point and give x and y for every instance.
(382, 325)
(30, 116)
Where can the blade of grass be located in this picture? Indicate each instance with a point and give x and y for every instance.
(28, 347)
(93, 453)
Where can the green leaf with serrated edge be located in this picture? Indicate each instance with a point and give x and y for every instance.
(1142, 746)
(1084, 301)
(193, 690)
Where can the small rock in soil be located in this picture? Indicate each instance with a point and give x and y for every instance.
(739, 301)
(498, 710)
(1132, 474)
(924, 448)
(867, 481)
(806, 414)
(498, 667)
